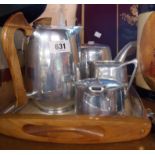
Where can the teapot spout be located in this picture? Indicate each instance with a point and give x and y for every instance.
(121, 56)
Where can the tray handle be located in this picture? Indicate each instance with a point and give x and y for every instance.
(44, 131)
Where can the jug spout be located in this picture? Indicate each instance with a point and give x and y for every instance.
(121, 56)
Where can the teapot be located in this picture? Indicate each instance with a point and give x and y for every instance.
(50, 54)
(89, 53)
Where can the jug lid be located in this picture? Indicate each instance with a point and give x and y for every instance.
(46, 26)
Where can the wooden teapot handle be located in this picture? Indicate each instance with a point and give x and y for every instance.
(15, 22)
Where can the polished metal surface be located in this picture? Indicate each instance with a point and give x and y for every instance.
(18, 39)
(49, 66)
(99, 96)
(133, 106)
(89, 53)
(31, 108)
(121, 56)
(114, 70)
(97, 52)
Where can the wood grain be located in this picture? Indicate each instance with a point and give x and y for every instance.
(15, 22)
(7, 96)
(146, 143)
(74, 129)
(147, 52)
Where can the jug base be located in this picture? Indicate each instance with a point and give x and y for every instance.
(54, 105)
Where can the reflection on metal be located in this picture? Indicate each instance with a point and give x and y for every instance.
(82, 22)
(89, 53)
(115, 70)
(50, 69)
(117, 27)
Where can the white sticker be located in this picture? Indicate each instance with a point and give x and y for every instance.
(97, 34)
(60, 46)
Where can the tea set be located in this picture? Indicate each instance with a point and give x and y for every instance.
(61, 75)
(80, 92)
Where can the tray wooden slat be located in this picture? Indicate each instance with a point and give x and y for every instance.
(75, 129)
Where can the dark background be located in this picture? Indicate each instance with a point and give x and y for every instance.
(98, 17)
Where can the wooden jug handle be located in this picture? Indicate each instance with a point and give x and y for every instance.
(15, 22)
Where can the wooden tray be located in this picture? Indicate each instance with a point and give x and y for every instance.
(75, 129)
(30, 124)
